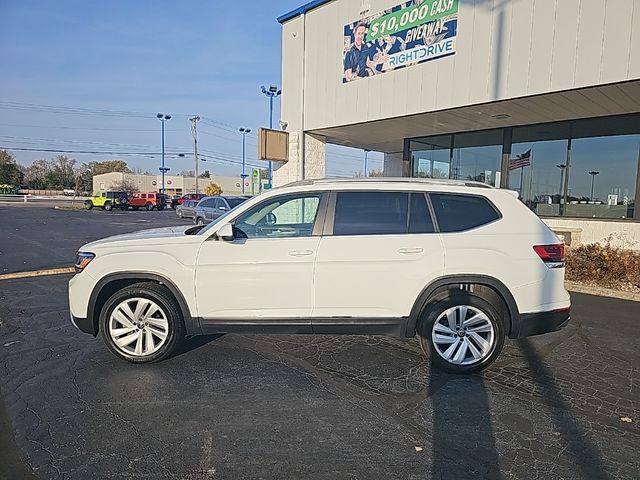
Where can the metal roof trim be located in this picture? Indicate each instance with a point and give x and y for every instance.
(300, 10)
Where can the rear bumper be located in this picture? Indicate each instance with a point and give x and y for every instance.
(543, 322)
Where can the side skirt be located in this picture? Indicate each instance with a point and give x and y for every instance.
(331, 326)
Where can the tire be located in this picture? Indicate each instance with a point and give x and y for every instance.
(199, 221)
(148, 206)
(464, 348)
(165, 334)
(88, 205)
(124, 209)
(108, 206)
(180, 214)
(160, 207)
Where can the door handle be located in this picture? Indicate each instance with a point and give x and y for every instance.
(300, 253)
(411, 251)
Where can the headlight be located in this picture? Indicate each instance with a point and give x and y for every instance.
(82, 260)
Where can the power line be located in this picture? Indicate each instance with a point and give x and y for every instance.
(86, 128)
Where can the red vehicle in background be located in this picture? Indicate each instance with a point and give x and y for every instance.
(189, 196)
(148, 200)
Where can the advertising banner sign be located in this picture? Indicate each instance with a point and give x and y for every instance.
(413, 32)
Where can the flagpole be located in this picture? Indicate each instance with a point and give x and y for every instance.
(521, 181)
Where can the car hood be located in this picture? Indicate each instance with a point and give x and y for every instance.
(154, 233)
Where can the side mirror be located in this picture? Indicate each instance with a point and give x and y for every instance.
(271, 219)
(226, 232)
(223, 209)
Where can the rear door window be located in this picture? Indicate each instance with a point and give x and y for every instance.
(371, 213)
(419, 217)
(456, 213)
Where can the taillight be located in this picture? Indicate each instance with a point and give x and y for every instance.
(551, 255)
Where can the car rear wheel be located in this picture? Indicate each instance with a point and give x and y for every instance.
(88, 205)
(108, 206)
(148, 206)
(142, 323)
(462, 333)
(180, 214)
(199, 221)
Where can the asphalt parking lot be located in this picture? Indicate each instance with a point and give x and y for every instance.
(240, 406)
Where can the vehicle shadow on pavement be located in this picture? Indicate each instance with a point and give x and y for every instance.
(192, 343)
(463, 440)
(585, 454)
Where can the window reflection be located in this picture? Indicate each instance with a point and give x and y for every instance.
(602, 177)
(605, 155)
(540, 184)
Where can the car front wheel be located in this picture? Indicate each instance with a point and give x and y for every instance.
(142, 323)
(462, 333)
(108, 206)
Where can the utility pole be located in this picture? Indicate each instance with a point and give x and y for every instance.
(244, 132)
(194, 133)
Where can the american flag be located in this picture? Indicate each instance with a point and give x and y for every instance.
(521, 161)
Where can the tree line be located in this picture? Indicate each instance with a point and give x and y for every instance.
(58, 173)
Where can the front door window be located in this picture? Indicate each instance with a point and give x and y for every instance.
(287, 216)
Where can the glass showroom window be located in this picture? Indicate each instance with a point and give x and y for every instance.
(430, 157)
(477, 156)
(538, 174)
(602, 178)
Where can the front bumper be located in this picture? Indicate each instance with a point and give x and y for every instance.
(85, 325)
(543, 322)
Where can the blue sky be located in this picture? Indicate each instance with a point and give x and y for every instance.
(120, 62)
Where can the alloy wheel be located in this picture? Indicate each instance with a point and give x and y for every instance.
(138, 327)
(463, 335)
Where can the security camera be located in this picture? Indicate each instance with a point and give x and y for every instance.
(283, 125)
(273, 89)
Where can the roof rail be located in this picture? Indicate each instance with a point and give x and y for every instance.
(430, 181)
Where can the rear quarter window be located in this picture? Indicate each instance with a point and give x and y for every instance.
(457, 213)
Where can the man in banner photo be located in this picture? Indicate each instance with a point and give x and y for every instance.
(356, 60)
(402, 36)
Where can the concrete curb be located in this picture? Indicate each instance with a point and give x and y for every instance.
(600, 291)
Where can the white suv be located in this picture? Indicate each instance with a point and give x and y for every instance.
(459, 264)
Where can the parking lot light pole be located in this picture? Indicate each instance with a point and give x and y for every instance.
(272, 92)
(243, 175)
(593, 174)
(561, 166)
(366, 161)
(163, 118)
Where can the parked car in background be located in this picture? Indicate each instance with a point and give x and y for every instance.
(148, 200)
(211, 208)
(68, 192)
(458, 264)
(186, 210)
(108, 201)
(189, 196)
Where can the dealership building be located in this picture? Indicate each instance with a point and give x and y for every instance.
(174, 184)
(540, 97)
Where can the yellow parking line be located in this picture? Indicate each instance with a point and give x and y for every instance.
(37, 273)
